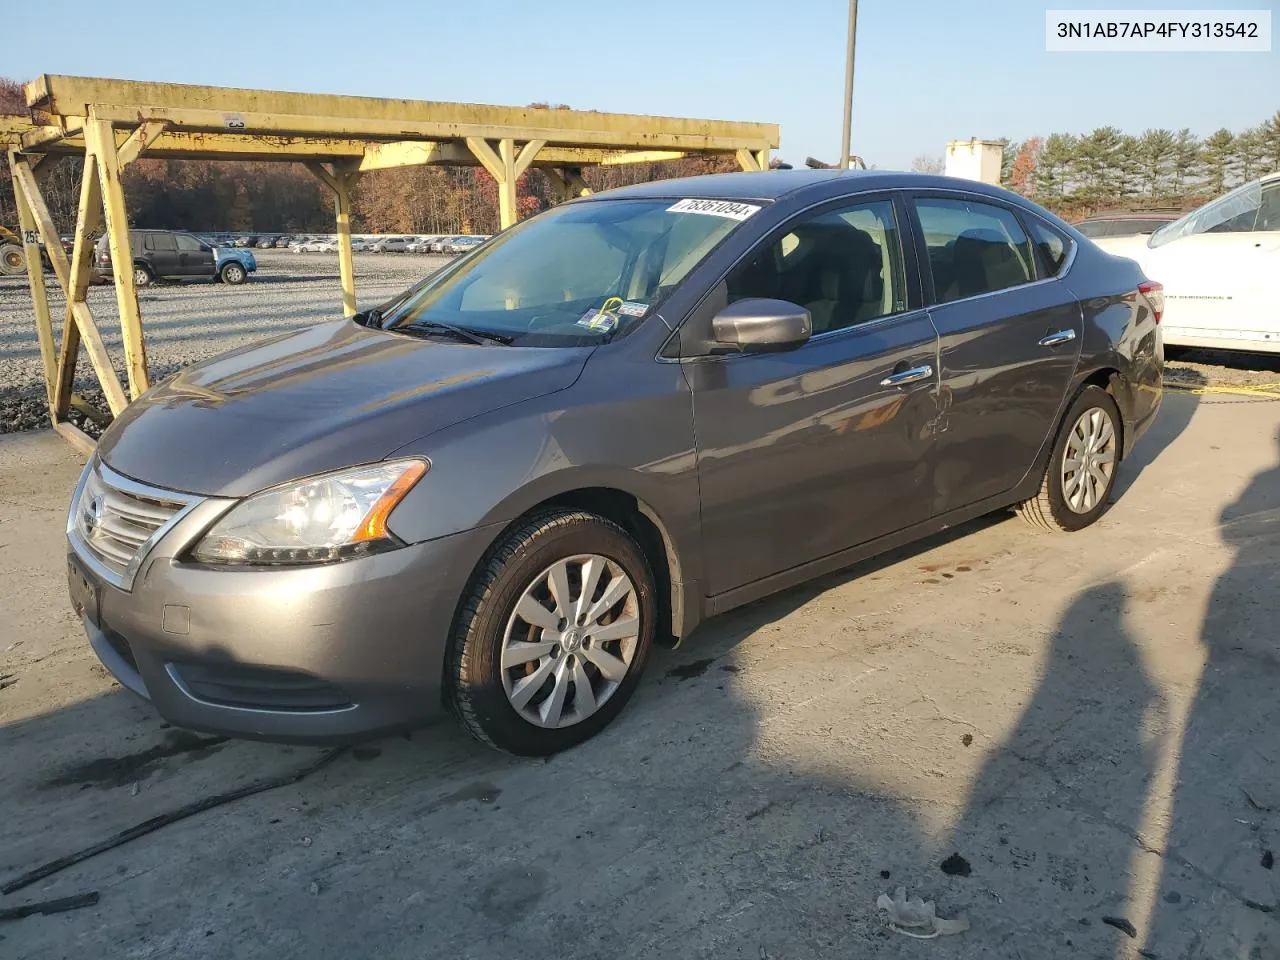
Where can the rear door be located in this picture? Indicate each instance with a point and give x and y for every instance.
(195, 258)
(1009, 340)
(805, 453)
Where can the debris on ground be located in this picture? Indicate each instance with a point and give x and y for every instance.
(1262, 796)
(956, 866)
(917, 917)
(59, 905)
(1120, 923)
(1268, 860)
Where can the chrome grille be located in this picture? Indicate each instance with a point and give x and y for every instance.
(115, 521)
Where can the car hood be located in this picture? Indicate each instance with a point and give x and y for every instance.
(323, 398)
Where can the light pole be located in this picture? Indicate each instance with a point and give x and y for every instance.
(843, 162)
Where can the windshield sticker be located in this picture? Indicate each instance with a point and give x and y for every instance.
(599, 321)
(633, 308)
(716, 208)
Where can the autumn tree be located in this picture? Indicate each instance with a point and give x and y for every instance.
(1023, 169)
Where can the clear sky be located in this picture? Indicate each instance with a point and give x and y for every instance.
(927, 71)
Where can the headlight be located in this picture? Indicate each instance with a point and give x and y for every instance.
(331, 517)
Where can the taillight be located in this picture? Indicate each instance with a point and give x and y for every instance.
(1154, 293)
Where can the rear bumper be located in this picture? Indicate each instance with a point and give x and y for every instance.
(308, 654)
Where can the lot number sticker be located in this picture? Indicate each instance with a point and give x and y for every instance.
(715, 208)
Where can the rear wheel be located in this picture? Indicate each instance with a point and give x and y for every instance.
(1082, 467)
(233, 273)
(142, 277)
(553, 634)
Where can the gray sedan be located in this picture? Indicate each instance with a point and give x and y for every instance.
(623, 416)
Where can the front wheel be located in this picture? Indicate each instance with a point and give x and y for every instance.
(233, 273)
(1082, 467)
(553, 634)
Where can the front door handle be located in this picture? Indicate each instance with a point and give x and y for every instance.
(903, 377)
(1058, 338)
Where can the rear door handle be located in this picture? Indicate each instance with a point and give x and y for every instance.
(907, 376)
(1055, 339)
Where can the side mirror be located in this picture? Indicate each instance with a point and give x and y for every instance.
(758, 325)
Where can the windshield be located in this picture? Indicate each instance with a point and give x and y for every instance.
(1231, 212)
(576, 275)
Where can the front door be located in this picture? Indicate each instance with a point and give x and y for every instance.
(1009, 340)
(808, 452)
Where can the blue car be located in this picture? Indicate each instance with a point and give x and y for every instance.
(233, 264)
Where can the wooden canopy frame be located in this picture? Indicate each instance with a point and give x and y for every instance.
(111, 123)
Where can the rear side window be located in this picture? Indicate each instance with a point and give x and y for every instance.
(1051, 246)
(974, 248)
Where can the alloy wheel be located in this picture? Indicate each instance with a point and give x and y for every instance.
(570, 640)
(1089, 460)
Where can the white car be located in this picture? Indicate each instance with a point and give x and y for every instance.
(421, 245)
(390, 245)
(1220, 268)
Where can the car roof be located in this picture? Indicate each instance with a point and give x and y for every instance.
(775, 184)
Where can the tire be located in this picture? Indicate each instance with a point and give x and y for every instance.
(12, 261)
(142, 275)
(1066, 502)
(484, 695)
(233, 273)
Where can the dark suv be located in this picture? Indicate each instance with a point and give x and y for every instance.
(170, 254)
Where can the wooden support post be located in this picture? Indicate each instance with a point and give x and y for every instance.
(346, 265)
(35, 280)
(84, 327)
(342, 180)
(508, 211)
(747, 160)
(101, 142)
(762, 158)
(139, 140)
(573, 176)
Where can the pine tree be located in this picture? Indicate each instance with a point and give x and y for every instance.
(1154, 156)
(1216, 156)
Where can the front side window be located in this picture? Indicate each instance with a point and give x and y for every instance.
(188, 244)
(576, 275)
(162, 241)
(843, 266)
(1234, 212)
(974, 247)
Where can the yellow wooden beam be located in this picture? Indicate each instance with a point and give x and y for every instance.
(35, 276)
(526, 155)
(225, 108)
(324, 176)
(488, 159)
(101, 143)
(402, 153)
(641, 156)
(138, 141)
(76, 437)
(508, 207)
(345, 179)
(64, 370)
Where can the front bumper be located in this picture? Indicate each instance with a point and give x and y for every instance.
(325, 653)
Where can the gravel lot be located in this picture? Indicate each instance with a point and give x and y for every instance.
(188, 321)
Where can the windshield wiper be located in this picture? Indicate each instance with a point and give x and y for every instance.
(462, 333)
(369, 318)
